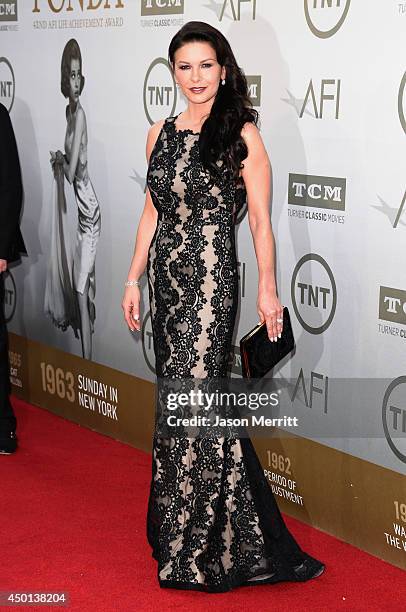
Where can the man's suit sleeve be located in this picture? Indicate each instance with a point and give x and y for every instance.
(10, 184)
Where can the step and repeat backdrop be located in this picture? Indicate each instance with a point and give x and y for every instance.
(328, 78)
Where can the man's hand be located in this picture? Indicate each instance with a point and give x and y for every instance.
(3, 265)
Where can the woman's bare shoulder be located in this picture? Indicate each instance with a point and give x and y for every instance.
(253, 139)
(250, 132)
(81, 116)
(153, 134)
(156, 128)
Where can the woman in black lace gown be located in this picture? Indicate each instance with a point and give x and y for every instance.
(213, 523)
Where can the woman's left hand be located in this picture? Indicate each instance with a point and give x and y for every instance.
(59, 157)
(270, 310)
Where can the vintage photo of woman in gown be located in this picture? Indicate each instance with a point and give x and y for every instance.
(70, 286)
(212, 523)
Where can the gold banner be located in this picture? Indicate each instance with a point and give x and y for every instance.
(357, 501)
(350, 498)
(95, 396)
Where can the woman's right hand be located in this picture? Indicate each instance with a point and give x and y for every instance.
(54, 163)
(131, 307)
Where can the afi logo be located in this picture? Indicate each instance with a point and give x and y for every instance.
(393, 214)
(314, 392)
(322, 13)
(162, 7)
(56, 6)
(402, 204)
(236, 14)
(329, 91)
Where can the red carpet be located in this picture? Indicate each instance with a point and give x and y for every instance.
(73, 507)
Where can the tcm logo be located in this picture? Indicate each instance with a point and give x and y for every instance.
(56, 6)
(254, 83)
(314, 293)
(394, 416)
(160, 93)
(402, 103)
(8, 10)
(7, 83)
(392, 305)
(232, 9)
(162, 7)
(325, 17)
(317, 191)
(10, 296)
(148, 342)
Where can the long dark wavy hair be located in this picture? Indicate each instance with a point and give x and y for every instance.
(220, 137)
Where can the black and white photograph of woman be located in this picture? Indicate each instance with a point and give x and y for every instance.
(70, 286)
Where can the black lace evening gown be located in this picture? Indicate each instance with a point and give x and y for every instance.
(213, 523)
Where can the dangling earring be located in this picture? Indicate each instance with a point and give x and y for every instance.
(223, 82)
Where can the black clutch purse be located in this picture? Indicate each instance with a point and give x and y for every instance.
(259, 354)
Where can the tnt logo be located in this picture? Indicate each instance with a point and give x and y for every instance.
(314, 293)
(402, 102)
(325, 3)
(394, 417)
(159, 91)
(7, 83)
(10, 296)
(325, 17)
